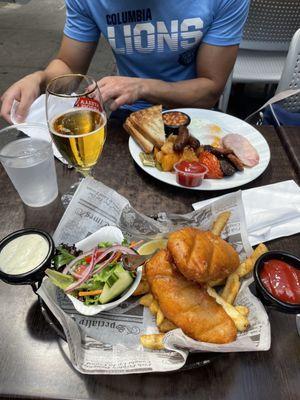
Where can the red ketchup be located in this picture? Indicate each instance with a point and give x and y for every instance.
(281, 280)
(190, 173)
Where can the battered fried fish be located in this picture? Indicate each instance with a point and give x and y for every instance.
(186, 304)
(202, 256)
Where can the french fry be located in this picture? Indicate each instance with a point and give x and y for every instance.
(248, 265)
(242, 310)
(153, 342)
(231, 288)
(159, 317)
(166, 326)
(142, 288)
(240, 321)
(154, 307)
(146, 300)
(217, 282)
(220, 223)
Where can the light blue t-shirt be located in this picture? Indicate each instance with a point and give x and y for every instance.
(156, 38)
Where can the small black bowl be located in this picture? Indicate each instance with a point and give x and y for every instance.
(173, 129)
(266, 297)
(36, 274)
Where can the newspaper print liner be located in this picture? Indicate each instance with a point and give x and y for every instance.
(109, 342)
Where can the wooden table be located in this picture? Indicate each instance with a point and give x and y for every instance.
(290, 138)
(32, 364)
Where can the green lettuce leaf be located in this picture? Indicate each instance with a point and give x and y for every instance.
(91, 284)
(62, 258)
(105, 273)
(89, 300)
(58, 279)
(125, 243)
(103, 245)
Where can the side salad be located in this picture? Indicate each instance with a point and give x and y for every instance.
(93, 277)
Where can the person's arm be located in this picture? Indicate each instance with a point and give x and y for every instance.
(73, 57)
(214, 64)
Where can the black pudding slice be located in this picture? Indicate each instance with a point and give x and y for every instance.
(227, 168)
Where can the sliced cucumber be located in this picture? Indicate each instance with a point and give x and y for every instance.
(124, 280)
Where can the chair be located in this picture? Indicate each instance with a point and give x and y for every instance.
(267, 34)
(290, 78)
(289, 81)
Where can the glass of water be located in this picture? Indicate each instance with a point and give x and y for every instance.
(27, 156)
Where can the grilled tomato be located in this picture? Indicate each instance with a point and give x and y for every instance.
(213, 165)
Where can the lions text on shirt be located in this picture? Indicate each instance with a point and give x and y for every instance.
(157, 39)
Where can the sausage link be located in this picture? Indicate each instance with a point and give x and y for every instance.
(182, 139)
(193, 143)
(236, 162)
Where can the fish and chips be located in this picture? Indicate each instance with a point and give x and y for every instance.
(202, 256)
(186, 304)
(182, 280)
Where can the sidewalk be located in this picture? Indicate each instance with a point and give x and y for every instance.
(30, 36)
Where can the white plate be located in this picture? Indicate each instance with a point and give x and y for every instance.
(228, 124)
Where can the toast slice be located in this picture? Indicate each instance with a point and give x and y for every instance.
(150, 124)
(146, 146)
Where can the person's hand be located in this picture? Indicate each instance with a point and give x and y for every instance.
(25, 91)
(120, 90)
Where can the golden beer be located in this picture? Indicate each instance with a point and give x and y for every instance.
(79, 135)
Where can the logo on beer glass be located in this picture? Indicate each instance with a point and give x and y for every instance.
(88, 103)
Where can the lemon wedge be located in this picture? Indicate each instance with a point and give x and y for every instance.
(150, 247)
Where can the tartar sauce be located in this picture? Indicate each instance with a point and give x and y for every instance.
(23, 254)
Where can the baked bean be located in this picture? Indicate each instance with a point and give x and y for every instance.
(175, 118)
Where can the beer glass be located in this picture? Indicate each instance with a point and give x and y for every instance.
(77, 122)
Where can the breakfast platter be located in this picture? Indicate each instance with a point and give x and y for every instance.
(209, 127)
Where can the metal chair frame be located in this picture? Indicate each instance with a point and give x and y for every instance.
(290, 78)
(267, 34)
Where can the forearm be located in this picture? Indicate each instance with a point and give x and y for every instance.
(199, 93)
(73, 57)
(55, 68)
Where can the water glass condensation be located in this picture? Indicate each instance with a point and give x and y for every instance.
(27, 157)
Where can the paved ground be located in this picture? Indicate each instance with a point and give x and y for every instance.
(30, 35)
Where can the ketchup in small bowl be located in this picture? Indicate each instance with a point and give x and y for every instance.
(190, 173)
(277, 279)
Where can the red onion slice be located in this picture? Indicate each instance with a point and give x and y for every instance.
(71, 264)
(77, 276)
(115, 248)
(84, 276)
(100, 267)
